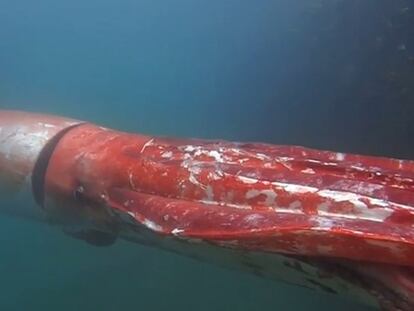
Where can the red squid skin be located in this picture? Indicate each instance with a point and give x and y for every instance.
(348, 215)
(259, 197)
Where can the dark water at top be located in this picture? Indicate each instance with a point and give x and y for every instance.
(327, 74)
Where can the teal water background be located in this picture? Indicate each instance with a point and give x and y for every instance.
(326, 74)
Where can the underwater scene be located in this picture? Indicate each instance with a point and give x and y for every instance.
(217, 94)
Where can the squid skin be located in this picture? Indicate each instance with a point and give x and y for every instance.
(338, 222)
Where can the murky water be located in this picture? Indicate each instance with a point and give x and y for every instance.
(325, 74)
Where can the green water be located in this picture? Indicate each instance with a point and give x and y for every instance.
(44, 270)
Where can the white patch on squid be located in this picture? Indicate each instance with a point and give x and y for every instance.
(340, 156)
(194, 180)
(127, 203)
(46, 125)
(358, 232)
(189, 148)
(131, 181)
(186, 159)
(254, 219)
(236, 150)
(216, 155)
(195, 170)
(152, 225)
(288, 210)
(323, 223)
(147, 144)
(167, 155)
(359, 168)
(270, 197)
(362, 210)
(285, 159)
(177, 231)
(215, 175)
(262, 156)
(322, 162)
(362, 187)
(308, 171)
(294, 188)
(239, 206)
(247, 180)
